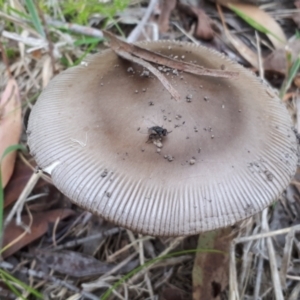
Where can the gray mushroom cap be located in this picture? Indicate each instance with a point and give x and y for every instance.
(229, 153)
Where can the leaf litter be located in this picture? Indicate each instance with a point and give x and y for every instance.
(10, 126)
(252, 252)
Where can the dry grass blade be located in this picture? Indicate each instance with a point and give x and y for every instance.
(261, 21)
(166, 61)
(241, 48)
(153, 70)
(273, 264)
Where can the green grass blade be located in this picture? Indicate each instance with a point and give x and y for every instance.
(11, 286)
(253, 23)
(26, 287)
(35, 17)
(88, 50)
(19, 13)
(88, 41)
(150, 262)
(291, 75)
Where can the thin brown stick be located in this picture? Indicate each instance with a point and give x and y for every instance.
(153, 70)
(160, 59)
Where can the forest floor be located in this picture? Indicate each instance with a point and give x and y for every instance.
(51, 248)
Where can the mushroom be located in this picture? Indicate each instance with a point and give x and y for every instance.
(90, 130)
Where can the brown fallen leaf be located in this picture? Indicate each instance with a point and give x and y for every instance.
(297, 81)
(277, 60)
(157, 58)
(143, 56)
(277, 35)
(240, 47)
(18, 181)
(78, 264)
(39, 227)
(172, 293)
(167, 6)
(10, 126)
(296, 15)
(210, 272)
(152, 69)
(203, 29)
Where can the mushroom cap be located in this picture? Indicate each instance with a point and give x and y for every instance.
(229, 152)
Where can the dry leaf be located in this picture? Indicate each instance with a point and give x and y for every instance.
(117, 45)
(277, 60)
(203, 29)
(73, 263)
(296, 15)
(297, 81)
(10, 126)
(166, 10)
(240, 47)
(17, 182)
(210, 272)
(172, 293)
(277, 37)
(143, 56)
(78, 264)
(39, 227)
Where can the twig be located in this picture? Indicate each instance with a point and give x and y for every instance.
(89, 31)
(153, 70)
(160, 59)
(133, 36)
(88, 238)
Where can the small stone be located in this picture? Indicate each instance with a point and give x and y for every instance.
(205, 98)
(192, 161)
(104, 173)
(130, 70)
(170, 158)
(136, 91)
(158, 143)
(189, 98)
(145, 73)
